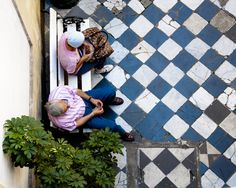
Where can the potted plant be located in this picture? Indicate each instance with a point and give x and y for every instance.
(57, 163)
(64, 3)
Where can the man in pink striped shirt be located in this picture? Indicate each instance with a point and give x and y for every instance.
(70, 108)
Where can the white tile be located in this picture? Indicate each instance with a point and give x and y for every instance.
(230, 7)
(230, 153)
(116, 27)
(121, 180)
(210, 179)
(136, 6)
(180, 171)
(119, 109)
(224, 46)
(93, 23)
(141, 26)
(174, 100)
(176, 126)
(88, 6)
(199, 73)
(146, 101)
(229, 124)
(211, 149)
(204, 126)
(152, 175)
(197, 48)
(120, 121)
(180, 153)
(112, 76)
(170, 49)
(227, 72)
(143, 51)
(152, 153)
(228, 98)
(201, 98)
(122, 159)
(172, 74)
(118, 4)
(96, 78)
(193, 4)
(204, 159)
(195, 23)
(119, 53)
(165, 5)
(167, 25)
(121, 177)
(144, 75)
(232, 181)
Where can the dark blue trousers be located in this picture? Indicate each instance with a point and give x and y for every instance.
(87, 66)
(106, 95)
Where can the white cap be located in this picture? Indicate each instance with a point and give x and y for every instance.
(75, 39)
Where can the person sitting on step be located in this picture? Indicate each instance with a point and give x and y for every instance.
(69, 108)
(74, 54)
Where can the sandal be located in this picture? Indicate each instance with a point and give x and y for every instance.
(117, 101)
(128, 137)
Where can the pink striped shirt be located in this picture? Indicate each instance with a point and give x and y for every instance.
(76, 110)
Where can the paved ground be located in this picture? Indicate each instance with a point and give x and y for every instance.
(175, 67)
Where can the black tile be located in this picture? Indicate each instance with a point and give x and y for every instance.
(212, 158)
(223, 168)
(217, 112)
(232, 33)
(102, 15)
(143, 160)
(133, 115)
(193, 184)
(166, 161)
(142, 185)
(165, 183)
(191, 163)
(220, 139)
(124, 170)
(203, 148)
(77, 12)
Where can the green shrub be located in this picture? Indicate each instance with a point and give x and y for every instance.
(57, 163)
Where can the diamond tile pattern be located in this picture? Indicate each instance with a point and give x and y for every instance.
(157, 172)
(121, 176)
(175, 67)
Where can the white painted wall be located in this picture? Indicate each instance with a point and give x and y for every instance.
(14, 85)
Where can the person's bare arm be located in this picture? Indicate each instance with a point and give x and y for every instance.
(89, 49)
(96, 111)
(82, 60)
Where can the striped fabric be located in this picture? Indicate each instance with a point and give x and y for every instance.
(75, 111)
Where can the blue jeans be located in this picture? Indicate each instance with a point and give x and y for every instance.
(87, 66)
(106, 95)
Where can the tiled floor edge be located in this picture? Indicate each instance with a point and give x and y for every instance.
(133, 171)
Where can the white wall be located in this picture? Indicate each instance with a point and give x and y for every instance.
(14, 85)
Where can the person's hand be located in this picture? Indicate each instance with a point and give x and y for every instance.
(89, 50)
(98, 111)
(86, 57)
(98, 103)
